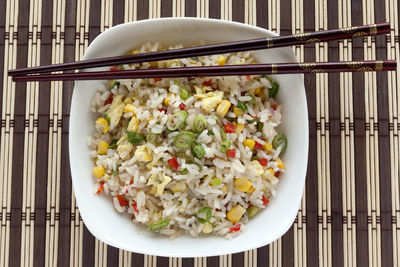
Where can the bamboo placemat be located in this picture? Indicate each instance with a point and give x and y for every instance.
(350, 212)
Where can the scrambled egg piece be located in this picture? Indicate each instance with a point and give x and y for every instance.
(158, 187)
(161, 187)
(210, 100)
(133, 124)
(115, 111)
(125, 146)
(144, 153)
(257, 169)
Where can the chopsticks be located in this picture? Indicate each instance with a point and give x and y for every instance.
(245, 45)
(227, 70)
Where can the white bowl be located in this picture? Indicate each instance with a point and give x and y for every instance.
(98, 212)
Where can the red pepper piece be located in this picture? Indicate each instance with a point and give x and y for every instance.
(229, 127)
(101, 188)
(231, 153)
(134, 206)
(173, 163)
(109, 100)
(122, 201)
(235, 228)
(265, 200)
(263, 162)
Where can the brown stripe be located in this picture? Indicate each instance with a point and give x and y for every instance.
(262, 13)
(238, 10)
(335, 145)
(162, 262)
(166, 8)
(190, 8)
(288, 248)
(359, 149)
(311, 180)
(187, 262)
(137, 259)
(285, 18)
(213, 261)
(112, 256)
(118, 12)
(215, 9)
(142, 9)
(94, 19)
(238, 258)
(88, 248)
(65, 177)
(16, 200)
(384, 147)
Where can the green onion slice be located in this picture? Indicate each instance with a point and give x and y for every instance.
(113, 144)
(225, 146)
(252, 211)
(199, 123)
(253, 99)
(184, 94)
(223, 133)
(135, 138)
(204, 214)
(152, 137)
(183, 140)
(241, 105)
(158, 225)
(177, 119)
(273, 91)
(198, 151)
(280, 140)
(215, 181)
(107, 118)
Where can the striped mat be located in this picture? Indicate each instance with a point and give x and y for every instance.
(350, 211)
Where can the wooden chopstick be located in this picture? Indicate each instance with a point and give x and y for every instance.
(245, 45)
(227, 70)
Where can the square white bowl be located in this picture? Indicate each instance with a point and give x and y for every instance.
(118, 230)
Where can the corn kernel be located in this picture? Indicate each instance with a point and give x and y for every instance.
(261, 94)
(257, 90)
(242, 184)
(267, 146)
(128, 100)
(237, 111)
(271, 171)
(130, 108)
(223, 108)
(250, 143)
(167, 99)
(239, 128)
(207, 228)
(280, 163)
(98, 171)
(134, 52)
(251, 190)
(103, 124)
(221, 59)
(235, 214)
(102, 148)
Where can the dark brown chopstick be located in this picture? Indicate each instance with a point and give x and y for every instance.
(245, 45)
(227, 70)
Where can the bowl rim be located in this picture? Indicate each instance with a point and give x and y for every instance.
(243, 247)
